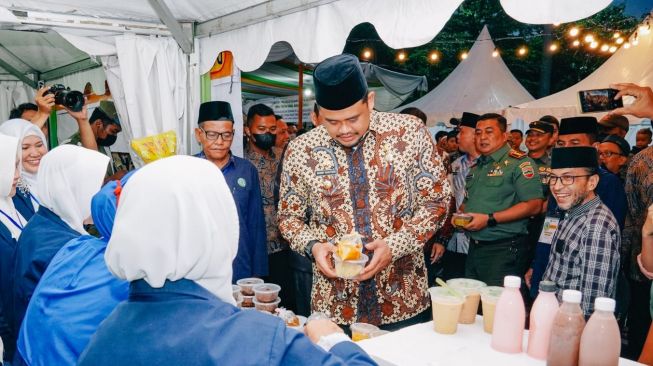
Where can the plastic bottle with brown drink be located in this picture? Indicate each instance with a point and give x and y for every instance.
(566, 332)
(600, 344)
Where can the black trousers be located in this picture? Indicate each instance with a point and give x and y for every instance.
(302, 271)
(490, 263)
(281, 274)
(639, 318)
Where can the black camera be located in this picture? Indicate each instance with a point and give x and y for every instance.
(71, 99)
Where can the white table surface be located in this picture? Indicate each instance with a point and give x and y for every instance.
(421, 345)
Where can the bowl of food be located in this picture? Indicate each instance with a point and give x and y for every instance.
(235, 290)
(461, 219)
(247, 284)
(266, 292)
(268, 307)
(349, 269)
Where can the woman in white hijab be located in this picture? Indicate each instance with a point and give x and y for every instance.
(68, 178)
(33, 146)
(11, 226)
(175, 236)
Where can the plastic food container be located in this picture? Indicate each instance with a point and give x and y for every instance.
(235, 289)
(267, 292)
(247, 302)
(247, 284)
(349, 269)
(471, 289)
(269, 307)
(360, 331)
(461, 219)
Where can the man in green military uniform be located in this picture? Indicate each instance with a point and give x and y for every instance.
(503, 191)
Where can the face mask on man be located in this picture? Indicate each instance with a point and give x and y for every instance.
(107, 141)
(264, 141)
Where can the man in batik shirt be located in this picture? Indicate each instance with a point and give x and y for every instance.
(374, 173)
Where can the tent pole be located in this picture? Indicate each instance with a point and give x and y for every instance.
(300, 90)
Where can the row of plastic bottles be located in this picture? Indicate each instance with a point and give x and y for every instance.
(558, 334)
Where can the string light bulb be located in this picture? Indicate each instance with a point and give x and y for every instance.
(401, 56)
(616, 35)
(574, 31)
(635, 41)
(434, 56)
(605, 47)
(575, 43)
(308, 92)
(553, 47)
(367, 54)
(463, 56)
(594, 44)
(627, 45)
(522, 51)
(589, 38)
(495, 53)
(613, 49)
(644, 29)
(619, 40)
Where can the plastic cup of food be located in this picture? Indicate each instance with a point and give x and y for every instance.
(472, 291)
(266, 292)
(268, 307)
(489, 297)
(446, 310)
(461, 219)
(349, 269)
(239, 303)
(360, 331)
(235, 290)
(248, 302)
(247, 284)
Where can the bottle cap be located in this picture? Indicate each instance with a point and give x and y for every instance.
(548, 286)
(512, 281)
(572, 296)
(605, 304)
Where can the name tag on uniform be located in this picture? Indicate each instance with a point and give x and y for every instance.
(548, 230)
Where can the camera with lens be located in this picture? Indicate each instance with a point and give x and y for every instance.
(71, 99)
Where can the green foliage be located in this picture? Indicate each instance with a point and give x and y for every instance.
(569, 64)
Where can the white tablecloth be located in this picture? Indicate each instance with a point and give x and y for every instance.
(421, 345)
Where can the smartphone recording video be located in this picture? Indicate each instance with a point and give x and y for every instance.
(599, 100)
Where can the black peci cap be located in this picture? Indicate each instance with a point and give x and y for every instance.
(339, 82)
(215, 111)
(574, 157)
(574, 125)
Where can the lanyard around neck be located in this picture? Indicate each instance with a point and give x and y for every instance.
(17, 224)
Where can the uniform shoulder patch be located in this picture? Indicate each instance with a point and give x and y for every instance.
(517, 154)
(527, 169)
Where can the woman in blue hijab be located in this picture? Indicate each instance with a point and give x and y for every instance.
(76, 293)
(174, 239)
(68, 177)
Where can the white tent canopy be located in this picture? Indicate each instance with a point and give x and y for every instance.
(631, 65)
(479, 84)
(110, 30)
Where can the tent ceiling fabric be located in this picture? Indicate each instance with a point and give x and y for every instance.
(479, 84)
(552, 11)
(195, 10)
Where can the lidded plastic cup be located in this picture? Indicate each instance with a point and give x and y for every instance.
(548, 286)
(605, 304)
(512, 281)
(572, 296)
(466, 285)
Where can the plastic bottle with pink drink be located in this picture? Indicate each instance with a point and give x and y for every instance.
(509, 318)
(566, 331)
(543, 312)
(600, 344)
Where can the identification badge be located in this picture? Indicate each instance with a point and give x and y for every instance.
(548, 230)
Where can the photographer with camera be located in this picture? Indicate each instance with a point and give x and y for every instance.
(98, 133)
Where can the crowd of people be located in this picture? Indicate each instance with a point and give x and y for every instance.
(100, 266)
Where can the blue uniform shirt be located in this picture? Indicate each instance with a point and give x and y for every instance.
(182, 323)
(40, 240)
(242, 179)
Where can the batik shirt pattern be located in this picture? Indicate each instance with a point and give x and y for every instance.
(391, 186)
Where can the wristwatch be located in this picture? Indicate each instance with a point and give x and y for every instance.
(308, 250)
(491, 221)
